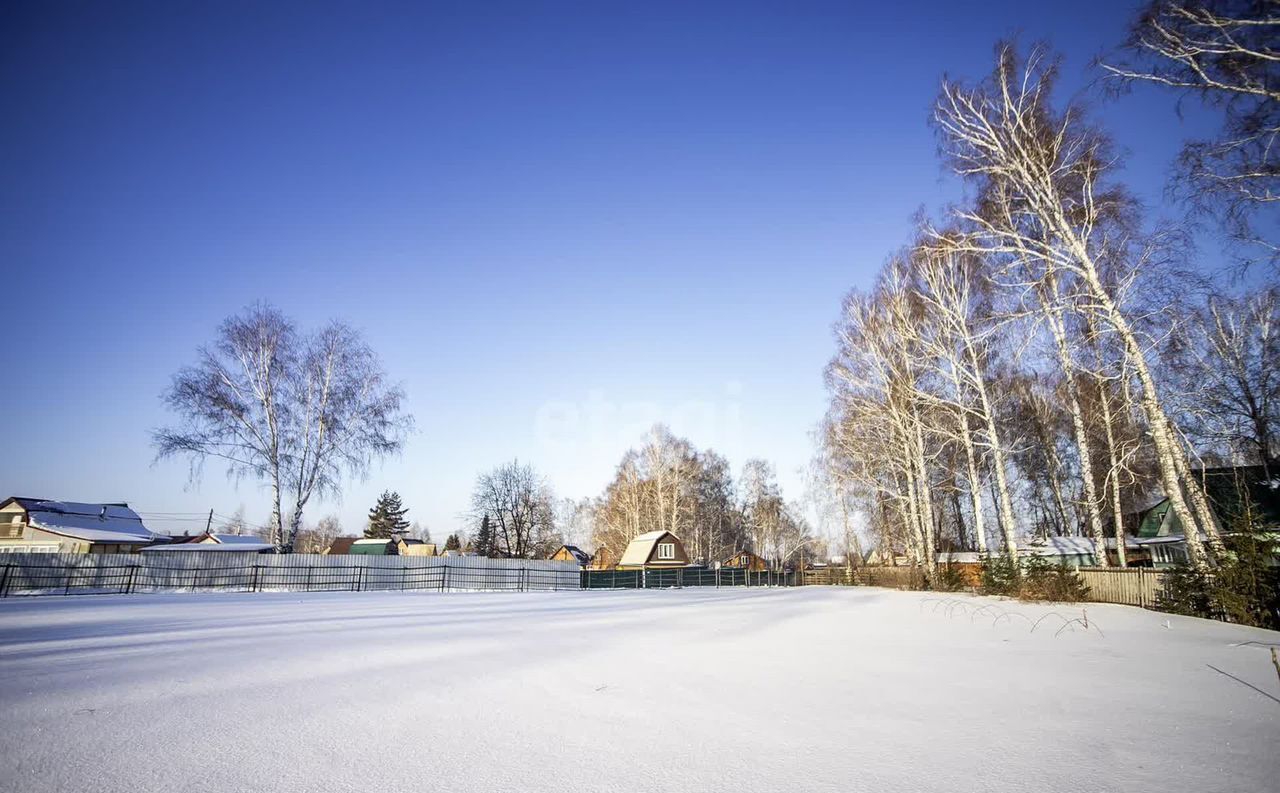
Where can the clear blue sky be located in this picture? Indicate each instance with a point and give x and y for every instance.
(554, 222)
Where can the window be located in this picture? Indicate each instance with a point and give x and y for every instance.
(666, 550)
(744, 560)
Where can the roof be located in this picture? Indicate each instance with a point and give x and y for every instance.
(237, 539)
(372, 545)
(93, 522)
(641, 547)
(212, 547)
(341, 545)
(1059, 546)
(582, 556)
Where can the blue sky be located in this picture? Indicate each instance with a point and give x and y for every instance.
(555, 222)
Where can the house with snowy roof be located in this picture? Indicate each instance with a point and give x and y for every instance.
(746, 561)
(39, 525)
(654, 550)
(571, 553)
(211, 542)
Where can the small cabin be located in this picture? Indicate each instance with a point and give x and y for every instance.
(571, 553)
(746, 561)
(409, 546)
(654, 550)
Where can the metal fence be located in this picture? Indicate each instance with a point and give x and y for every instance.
(70, 574)
(686, 577)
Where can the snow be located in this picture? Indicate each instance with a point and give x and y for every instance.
(813, 689)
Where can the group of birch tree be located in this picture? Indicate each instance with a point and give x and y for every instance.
(669, 485)
(1034, 362)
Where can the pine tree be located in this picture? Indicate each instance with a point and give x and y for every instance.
(484, 538)
(453, 543)
(386, 519)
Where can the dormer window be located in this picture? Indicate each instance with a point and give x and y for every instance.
(666, 550)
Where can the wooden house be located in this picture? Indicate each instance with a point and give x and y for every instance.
(746, 561)
(408, 546)
(571, 553)
(654, 550)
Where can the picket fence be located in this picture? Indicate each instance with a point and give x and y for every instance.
(251, 572)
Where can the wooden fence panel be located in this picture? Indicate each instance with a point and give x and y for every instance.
(1129, 586)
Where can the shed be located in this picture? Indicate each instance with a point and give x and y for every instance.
(654, 550)
(571, 553)
(1071, 551)
(371, 546)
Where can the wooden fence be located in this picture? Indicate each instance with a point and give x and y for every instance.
(1129, 586)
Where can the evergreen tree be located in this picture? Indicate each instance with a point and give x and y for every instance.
(453, 543)
(484, 538)
(386, 519)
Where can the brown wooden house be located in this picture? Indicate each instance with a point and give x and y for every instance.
(746, 561)
(654, 550)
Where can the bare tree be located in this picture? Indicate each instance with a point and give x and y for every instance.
(319, 537)
(1228, 357)
(1044, 201)
(299, 412)
(1226, 53)
(521, 510)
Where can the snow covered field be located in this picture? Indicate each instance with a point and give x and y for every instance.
(744, 690)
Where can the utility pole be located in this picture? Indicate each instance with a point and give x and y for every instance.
(208, 524)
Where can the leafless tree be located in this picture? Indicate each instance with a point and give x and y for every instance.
(298, 411)
(1045, 202)
(521, 510)
(1227, 52)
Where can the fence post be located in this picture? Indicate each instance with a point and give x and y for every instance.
(4, 581)
(128, 587)
(70, 569)
(444, 576)
(254, 585)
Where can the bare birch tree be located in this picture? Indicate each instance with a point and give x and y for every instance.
(299, 411)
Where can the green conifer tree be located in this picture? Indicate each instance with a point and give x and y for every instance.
(386, 519)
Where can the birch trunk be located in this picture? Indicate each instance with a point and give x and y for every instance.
(1054, 316)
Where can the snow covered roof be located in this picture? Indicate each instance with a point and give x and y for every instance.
(582, 556)
(237, 539)
(1058, 546)
(91, 522)
(372, 541)
(212, 547)
(641, 547)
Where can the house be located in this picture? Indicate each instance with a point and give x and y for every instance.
(746, 561)
(371, 546)
(37, 525)
(1071, 551)
(408, 546)
(341, 546)
(654, 550)
(210, 542)
(571, 553)
(601, 560)
(1232, 492)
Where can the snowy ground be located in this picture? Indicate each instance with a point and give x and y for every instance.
(747, 690)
